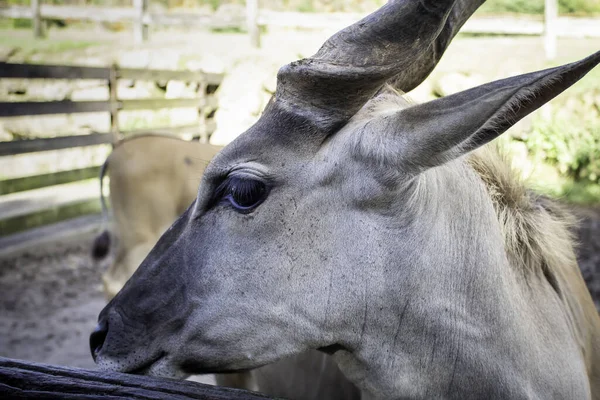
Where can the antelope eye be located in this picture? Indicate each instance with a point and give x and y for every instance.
(244, 194)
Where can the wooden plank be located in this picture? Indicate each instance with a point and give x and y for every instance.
(38, 29)
(252, 22)
(113, 84)
(35, 219)
(168, 75)
(16, 12)
(34, 71)
(58, 143)
(33, 201)
(152, 104)
(43, 180)
(187, 20)
(80, 228)
(140, 28)
(23, 379)
(89, 13)
(26, 108)
(550, 31)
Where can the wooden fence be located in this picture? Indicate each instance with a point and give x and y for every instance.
(551, 27)
(20, 213)
(27, 380)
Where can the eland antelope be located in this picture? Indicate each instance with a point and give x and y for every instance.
(348, 221)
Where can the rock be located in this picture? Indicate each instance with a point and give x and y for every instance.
(178, 89)
(134, 59)
(241, 98)
(164, 59)
(140, 90)
(90, 93)
(46, 89)
(208, 63)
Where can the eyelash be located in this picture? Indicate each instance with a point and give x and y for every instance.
(243, 194)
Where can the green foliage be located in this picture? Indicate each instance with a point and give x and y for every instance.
(570, 142)
(560, 152)
(22, 23)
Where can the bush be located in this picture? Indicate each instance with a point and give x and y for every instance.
(568, 144)
(560, 152)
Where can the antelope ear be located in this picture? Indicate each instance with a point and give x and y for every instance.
(433, 133)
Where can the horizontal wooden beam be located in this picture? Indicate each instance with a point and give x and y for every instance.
(19, 223)
(152, 104)
(43, 180)
(28, 380)
(39, 71)
(58, 143)
(167, 75)
(26, 108)
(36, 71)
(93, 139)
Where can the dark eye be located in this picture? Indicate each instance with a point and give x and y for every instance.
(244, 194)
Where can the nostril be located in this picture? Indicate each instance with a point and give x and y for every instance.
(97, 338)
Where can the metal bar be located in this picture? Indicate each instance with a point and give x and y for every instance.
(32, 71)
(66, 142)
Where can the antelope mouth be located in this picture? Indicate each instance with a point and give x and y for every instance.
(145, 368)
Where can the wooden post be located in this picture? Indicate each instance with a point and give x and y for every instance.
(203, 131)
(252, 22)
(550, 18)
(113, 81)
(140, 30)
(36, 17)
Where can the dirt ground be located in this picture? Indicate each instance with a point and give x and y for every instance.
(50, 297)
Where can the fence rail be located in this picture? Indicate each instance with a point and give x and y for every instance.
(551, 26)
(16, 212)
(28, 380)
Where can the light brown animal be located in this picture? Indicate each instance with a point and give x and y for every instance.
(153, 179)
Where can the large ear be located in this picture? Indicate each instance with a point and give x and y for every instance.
(433, 133)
